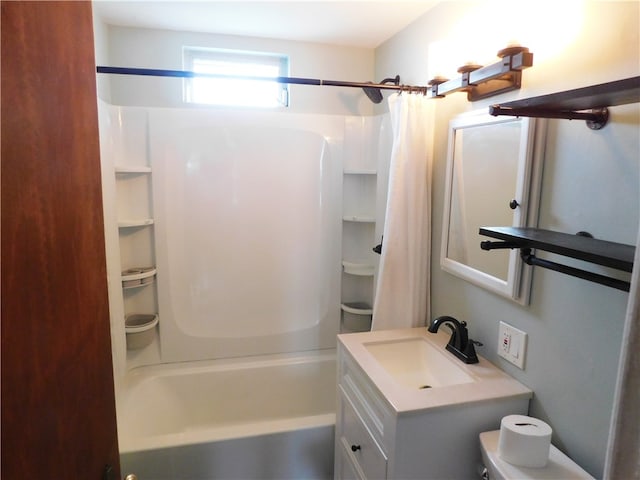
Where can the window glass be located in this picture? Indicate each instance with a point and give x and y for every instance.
(235, 91)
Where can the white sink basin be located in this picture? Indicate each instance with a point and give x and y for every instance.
(416, 363)
(413, 371)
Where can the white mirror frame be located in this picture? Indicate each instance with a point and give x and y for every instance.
(517, 286)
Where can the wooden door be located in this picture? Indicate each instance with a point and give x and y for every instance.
(58, 409)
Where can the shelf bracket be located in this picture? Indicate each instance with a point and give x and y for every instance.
(531, 259)
(489, 245)
(581, 246)
(596, 118)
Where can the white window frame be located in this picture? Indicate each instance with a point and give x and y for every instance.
(235, 91)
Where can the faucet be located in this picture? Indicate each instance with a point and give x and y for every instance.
(459, 344)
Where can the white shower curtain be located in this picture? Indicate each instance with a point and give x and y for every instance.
(623, 452)
(402, 289)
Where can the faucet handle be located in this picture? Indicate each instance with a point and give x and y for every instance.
(469, 351)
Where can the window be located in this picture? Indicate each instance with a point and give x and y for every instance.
(235, 91)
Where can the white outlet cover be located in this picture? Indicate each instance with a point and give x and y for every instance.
(512, 344)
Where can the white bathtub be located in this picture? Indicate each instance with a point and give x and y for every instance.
(262, 417)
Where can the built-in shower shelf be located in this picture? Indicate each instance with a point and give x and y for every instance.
(138, 277)
(358, 268)
(357, 308)
(363, 171)
(141, 222)
(139, 284)
(359, 219)
(132, 169)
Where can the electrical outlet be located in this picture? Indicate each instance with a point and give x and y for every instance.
(512, 344)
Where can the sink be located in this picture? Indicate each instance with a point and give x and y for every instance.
(408, 408)
(413, 371)
(418, 364)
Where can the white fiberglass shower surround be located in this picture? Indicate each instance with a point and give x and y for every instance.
(239, 212)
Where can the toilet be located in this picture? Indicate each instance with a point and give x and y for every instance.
(559, 465)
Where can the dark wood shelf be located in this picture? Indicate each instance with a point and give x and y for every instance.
(590, 104)
(601, 252)
(587, 103)
(608, 94)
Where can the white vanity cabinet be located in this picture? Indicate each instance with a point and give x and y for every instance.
(362, 456)
(379, 437)
(360, 423)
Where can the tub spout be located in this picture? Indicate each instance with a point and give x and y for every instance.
(459, 344)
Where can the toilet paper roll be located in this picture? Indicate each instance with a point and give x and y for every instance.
(524, 441)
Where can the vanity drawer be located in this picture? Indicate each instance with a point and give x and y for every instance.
(345, 468)
(365, 399)
(358, 445)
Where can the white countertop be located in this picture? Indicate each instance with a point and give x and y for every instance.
(489, 381)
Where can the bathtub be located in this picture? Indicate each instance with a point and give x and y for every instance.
(269, 417)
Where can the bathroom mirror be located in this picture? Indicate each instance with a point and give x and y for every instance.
(493, 179)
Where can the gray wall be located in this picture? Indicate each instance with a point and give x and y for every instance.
(590, 182)
(162, 49)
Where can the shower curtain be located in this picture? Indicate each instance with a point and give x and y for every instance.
(623, 455)
(402, 289)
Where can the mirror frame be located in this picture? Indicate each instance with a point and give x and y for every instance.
(517, 286)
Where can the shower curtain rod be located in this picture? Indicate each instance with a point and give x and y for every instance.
(290, 80)
(477, 81)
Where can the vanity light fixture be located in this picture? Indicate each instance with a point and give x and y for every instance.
(482, 82)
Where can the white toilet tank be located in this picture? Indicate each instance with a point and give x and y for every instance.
(559, 465)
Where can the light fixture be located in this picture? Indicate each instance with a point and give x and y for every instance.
(482, 82)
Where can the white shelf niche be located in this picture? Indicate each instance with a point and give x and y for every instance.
(133, 196)
(359, 197)
(360, 171)
(364, 269)
(139, 222)
(357, 308)
(358, 240)
(132, 169)
(356, 317)
(138, 277)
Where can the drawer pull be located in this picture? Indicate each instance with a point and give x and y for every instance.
(355, 448)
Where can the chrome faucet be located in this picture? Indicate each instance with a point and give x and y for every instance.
(459, 344)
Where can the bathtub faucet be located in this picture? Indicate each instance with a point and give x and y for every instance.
(459, 344)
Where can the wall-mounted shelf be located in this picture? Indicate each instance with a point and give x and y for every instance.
(588, 103)
(609, 254)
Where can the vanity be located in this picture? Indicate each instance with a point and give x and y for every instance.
(407, 408)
